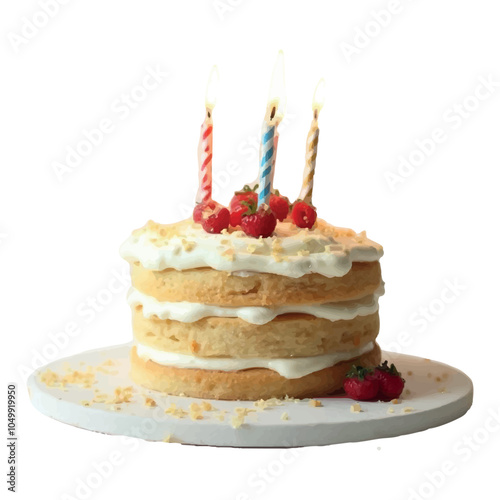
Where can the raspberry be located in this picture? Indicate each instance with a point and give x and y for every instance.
(200, 208)
(261, 222)
(303, 214)
(214, 221)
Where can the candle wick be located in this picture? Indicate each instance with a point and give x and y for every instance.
(209, 113)
(273, 112)
(316, 113)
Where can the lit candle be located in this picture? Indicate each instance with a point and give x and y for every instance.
(269, 133)
(205, 145)
(312, 145)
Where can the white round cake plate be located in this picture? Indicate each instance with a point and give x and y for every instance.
(435, 394)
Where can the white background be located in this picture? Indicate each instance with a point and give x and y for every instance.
(60, 236)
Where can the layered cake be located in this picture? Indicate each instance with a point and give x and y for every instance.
(256, 300)
(230, 316)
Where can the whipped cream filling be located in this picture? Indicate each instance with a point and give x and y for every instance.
(286, 367)
(291, 251)
(189, 312)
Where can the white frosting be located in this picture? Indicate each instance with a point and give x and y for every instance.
(291, 251)
(286, 367)
(188, 312)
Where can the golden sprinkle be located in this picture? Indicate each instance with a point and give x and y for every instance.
(390, 409)
(356, 408)
(407, 409)
(395, 401)
(284, 416)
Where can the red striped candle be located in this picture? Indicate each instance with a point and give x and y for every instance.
(205, 145)
(205, 160)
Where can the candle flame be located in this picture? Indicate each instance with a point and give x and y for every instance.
(319, 96)
(211, 91)
(277, 97)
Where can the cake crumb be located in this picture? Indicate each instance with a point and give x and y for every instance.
(221, 415)
(188, 245)
(395, 401)
(237, 421)
(390, 409)
(175, 412)
(315, 403)
(206, 406)
(261, 404)
(409, 373)
(438, 379)
(195, 411)
(243, 411)
(228, 254)
(85, 403)
(356, 408)
(167, 438)
(407, 409)
(149, 402)
(442, 390)
(284, 416)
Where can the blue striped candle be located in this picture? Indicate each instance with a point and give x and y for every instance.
(266, 163)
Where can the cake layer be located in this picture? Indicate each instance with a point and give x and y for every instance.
(287, 335)
(288, 367)
(248, 384)
(208, 286)
(291, 251)
(189, 312)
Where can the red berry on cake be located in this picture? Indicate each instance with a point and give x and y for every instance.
(258, 222)
(391, 384)
(361, 384)
(202, 207)
(215, 220)
(303, 214)
(238, 205)
(279, 205)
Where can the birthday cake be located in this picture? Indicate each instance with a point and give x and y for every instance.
(256, 300)
(228, 316)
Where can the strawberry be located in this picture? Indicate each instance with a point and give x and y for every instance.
(201, 207)
(216, 219)
(391, 384)
(361, 384)
(259, 221)
(303, 214)
(279, 205)
(237, 206)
